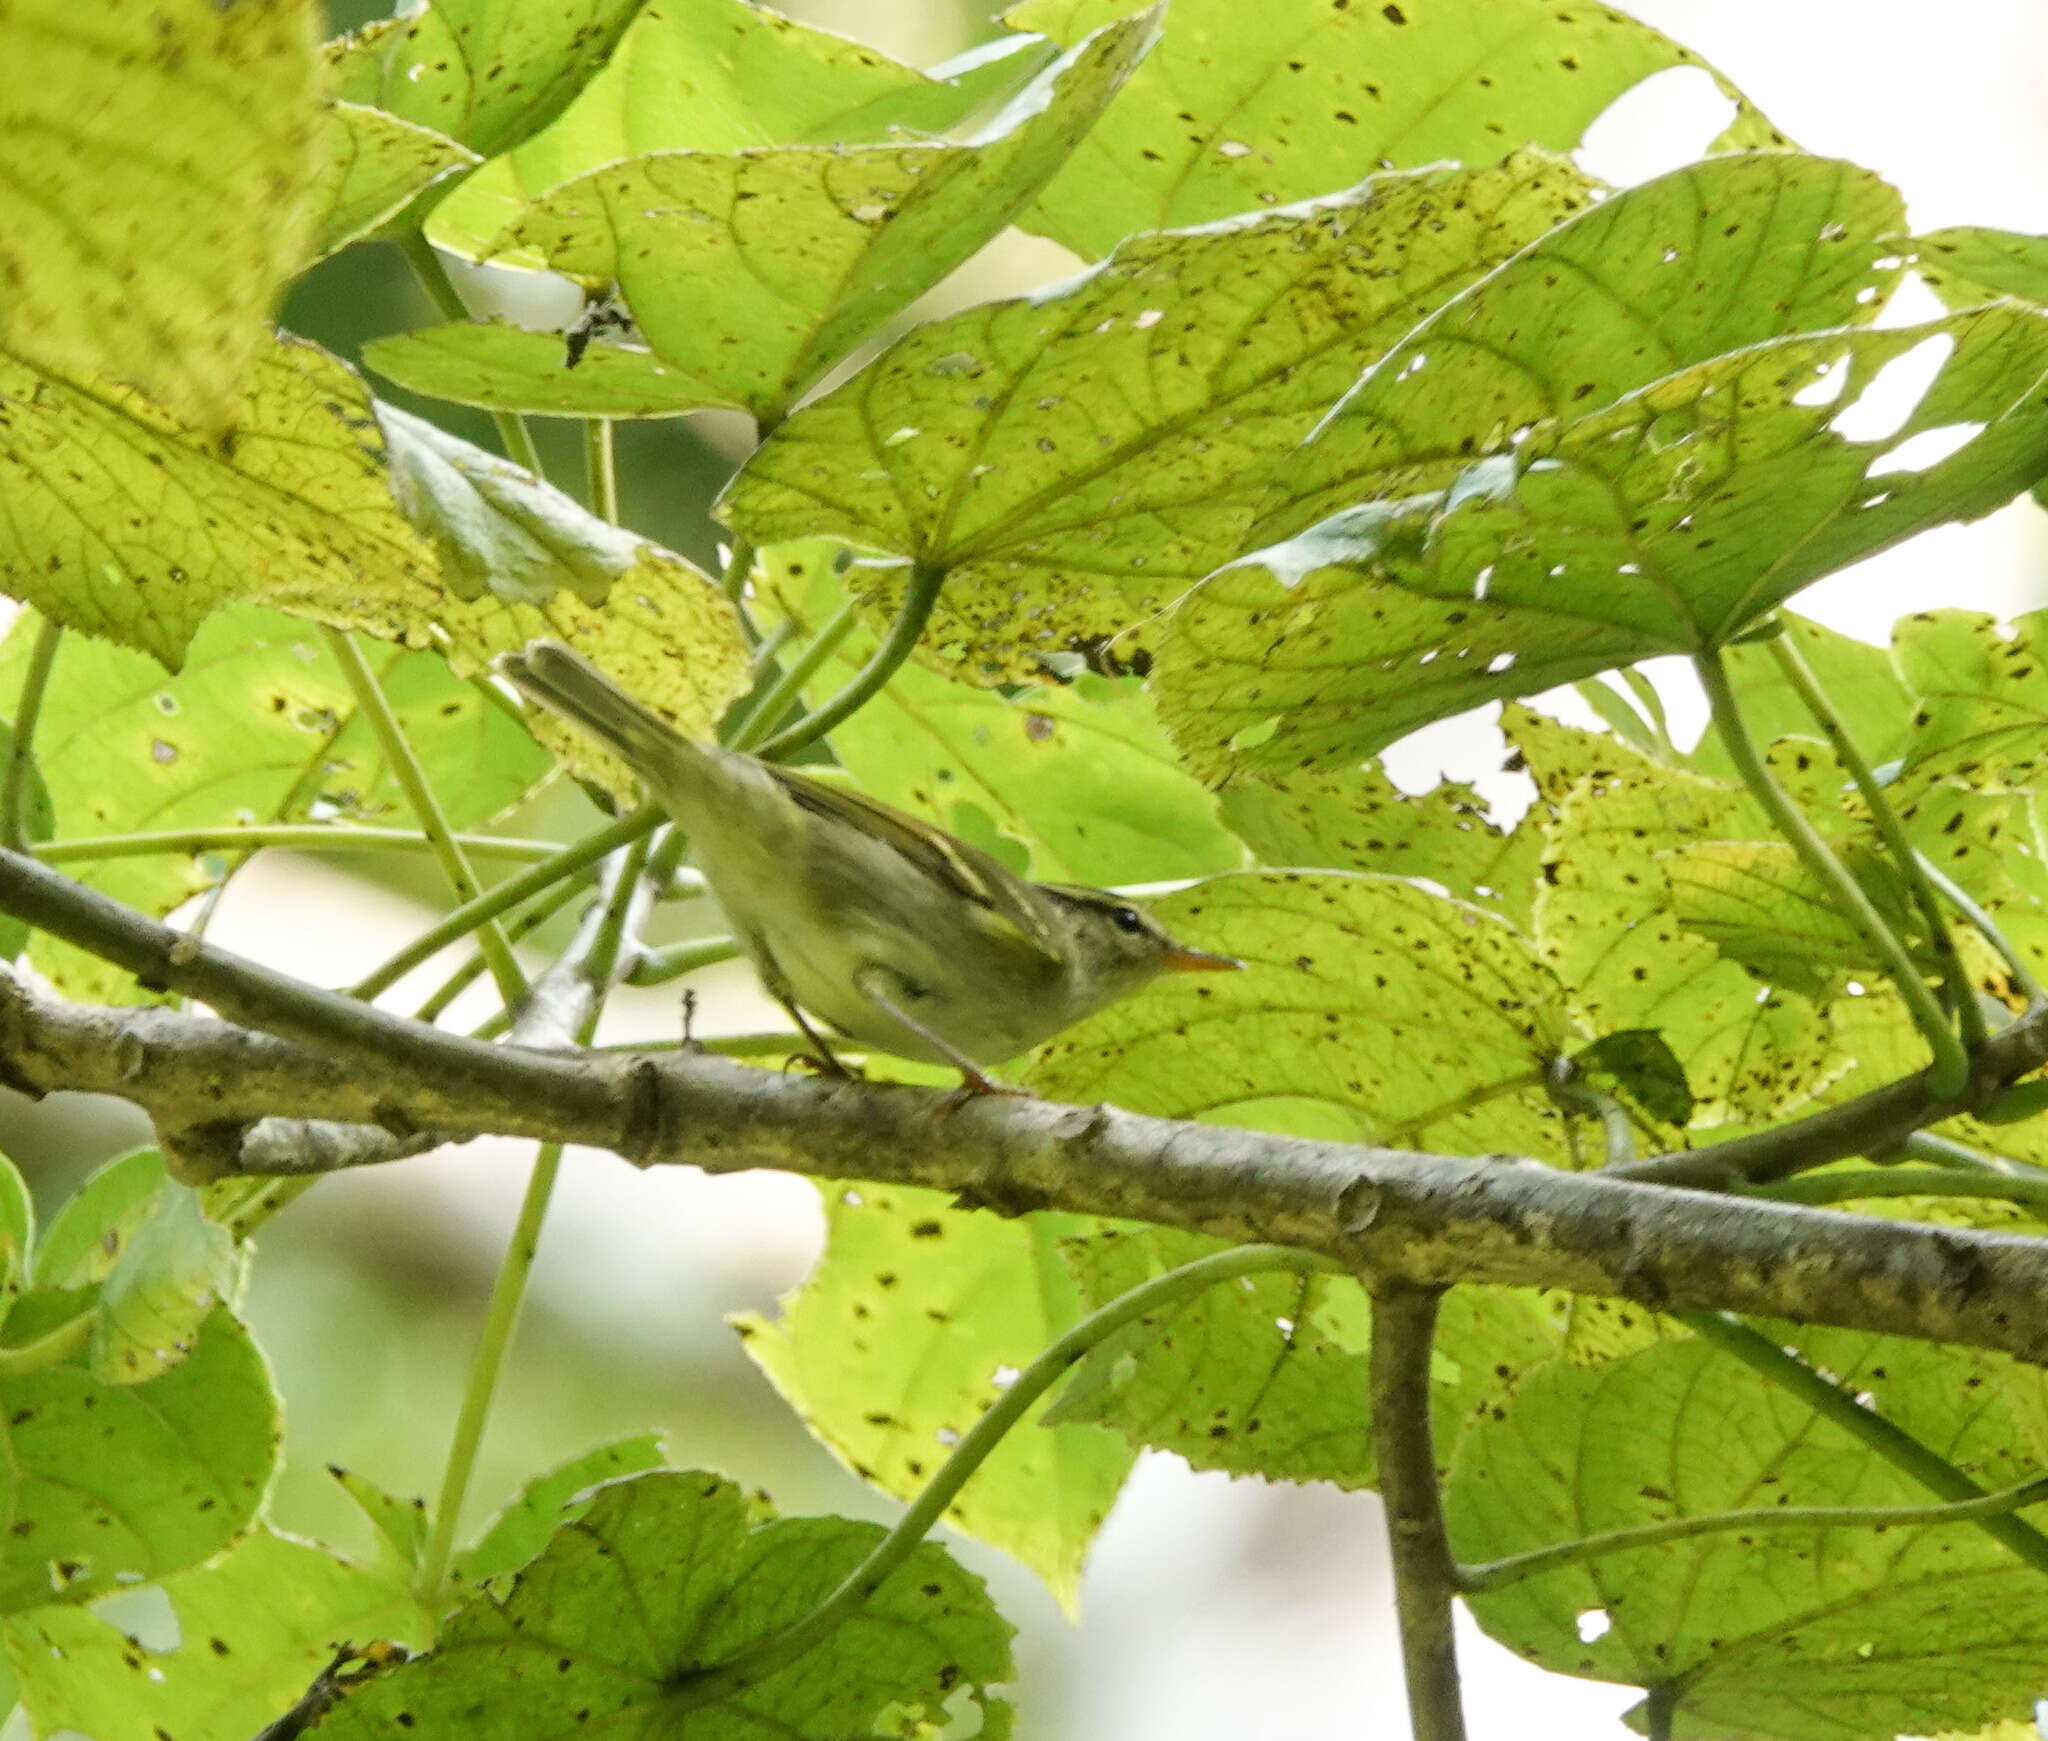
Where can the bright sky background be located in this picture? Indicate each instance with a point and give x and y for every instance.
(1216, 1610)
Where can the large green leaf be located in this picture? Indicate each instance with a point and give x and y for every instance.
(160, 1293)
(667, 1572)
(720, 75)
(1874, 706)
(1269, 1375)
(1781, 1635)
(847, 235)
(1076, 458)
(155, 166)
(1669, 522)
(1370, 1010)
(261, 725)
(1251, 106)
(504, 368)
(1709, 259)
(107, 1484)
(521, 1530)
(896, 1344)
(253, 1631)
(488, 73)
(1980, 700)
(17, 1232)
(1969, 265)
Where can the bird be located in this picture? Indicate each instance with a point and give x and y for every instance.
(895, 934)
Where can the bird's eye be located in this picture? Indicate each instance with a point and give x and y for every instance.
(1126, 919)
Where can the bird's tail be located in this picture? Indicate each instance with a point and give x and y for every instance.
(549, 673)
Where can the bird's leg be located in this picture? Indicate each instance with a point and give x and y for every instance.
(881, 988)
(772, 982)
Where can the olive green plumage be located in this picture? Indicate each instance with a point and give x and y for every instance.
(893, 932)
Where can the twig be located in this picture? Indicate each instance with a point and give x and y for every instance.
(1425, 1576)
(283, 837)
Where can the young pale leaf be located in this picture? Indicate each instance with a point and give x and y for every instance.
(96, 1223)
(108, 1485)
(401, 1524)
(1671, 521)
(1077, 458)
(125, 524)
(1709, 259)
(1251, 106)
(488, 73)
(1369, 1011)
(375, 165)
(898, 1343)
(17, 1232)
(1269, 1375)
(848, 235)
(502, 368)
(521, 1530)
(663, 1573)
(252, 1632)
(1777, 1635)
(722, 76)
(259, 726)
(161, 273)
(161, 1290)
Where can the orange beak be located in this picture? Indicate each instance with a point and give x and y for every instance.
(1183, 960)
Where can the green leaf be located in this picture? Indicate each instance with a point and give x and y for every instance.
(848, 235)
(1638, 1065)
(1608, 924)
(1874, 706)
(107, 1484)
(1775, 1635)
(720, 76)
(161, 272)
(253, 1631)
(521, 1530)
(124, 524)
(898, 1343)
(1675, 519)
(1357, 819)
(400, 1524)
(1069, 783)
(96, 1224)
(259, 726)
(489, 73)
(1712, 258)
(1969, 265)
(662, 1574)
(1979, 701)
(17, 1232)
(1077, 457)
(1369, 1011)
(501, 368)
(376, 164)
(1244, 107)
(1269, 1375)
(161, 1290)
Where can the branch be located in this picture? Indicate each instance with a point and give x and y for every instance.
(1429, 1219)
(1425, 1575)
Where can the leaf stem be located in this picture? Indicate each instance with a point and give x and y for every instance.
(766, 1656)
(593, 958)
(600, 468)
(1832, 1403)
(286, 836)
(432, 272)
(915, 611)
(426, 808)
(760, 719)
(1950, 1070)
(566, 862)
(460, 980)
(1425, 1575)
(1911, 864)
(659, 966)
(1985, 927)
(1904, 1182)
(1498, 1574)
(28, 712)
